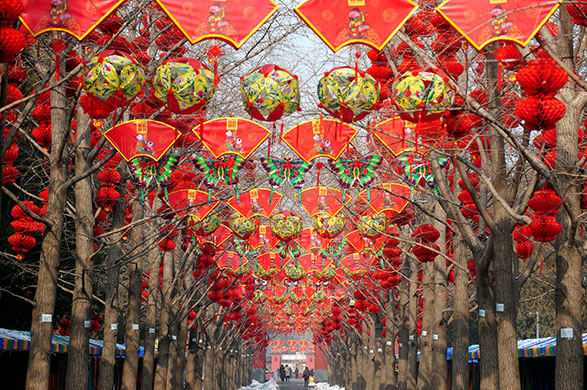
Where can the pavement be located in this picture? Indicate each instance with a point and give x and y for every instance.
(292, 384)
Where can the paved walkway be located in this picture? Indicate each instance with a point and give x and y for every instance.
(293, 384)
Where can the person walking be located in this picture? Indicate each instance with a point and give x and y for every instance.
(297, 373)
(287, 372)
(306, 375)
(282, 373)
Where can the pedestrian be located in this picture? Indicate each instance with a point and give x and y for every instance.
(297, 373)
(306, 375)
(282, 373)
(287, 372)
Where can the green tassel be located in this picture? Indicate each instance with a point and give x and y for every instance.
(209, 196)
(300, 196)
(238, 195)
(166, 194)
(271, 195)
(368, 195)
(343, 196)
(142, 196)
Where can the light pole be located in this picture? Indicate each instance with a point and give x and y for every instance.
(537, 326)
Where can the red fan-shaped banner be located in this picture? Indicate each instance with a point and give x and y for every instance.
(312, 262)
(360, 243)
(483, 22)
(231, 136)
(193, 202)
(323, 200)
(76, 17)
(256, 202)
(233, 21)
(263, 238)
(231, 261)
(388, 197)
(343, 22)
(319, 138)
(142, 138)
(310, 240)
(219, 237)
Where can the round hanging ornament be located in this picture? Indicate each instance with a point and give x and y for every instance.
(114, 79)
(372, 226)
(270, 92)
(242, 227)
(422, 95)
(185, 84)
(328, 226)
(286, 225)
(347, 93)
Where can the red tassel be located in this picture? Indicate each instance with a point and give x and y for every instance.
(541, 266)
(499, 75)
(280, 133)
(269, 148)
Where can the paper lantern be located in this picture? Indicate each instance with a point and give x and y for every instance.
(114, 78)
(372, 226)
(286, 225)
(270, 92)
(242, 227)
(185, 84)
(206, 226)
(328, 226)
(347, 93)
(422, 95)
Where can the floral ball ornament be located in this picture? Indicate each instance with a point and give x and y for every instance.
(114, 79)
(270, 92)
(185, 84)
(242, 227)
(328, 226)
(372, 227)
(348, 94)
(205, 226)
(295, 272)
(286, 225)
(423, 94)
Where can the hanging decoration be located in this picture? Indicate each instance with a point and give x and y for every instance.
(372, 226)
(198, 206)
(231, 21)
(231, 135)
(422, 94)
(339, 23)
(184, 84)
(257, 202)
(347, 93)
(144, 145)
(73, 17)
(286, 225)
(329, 138)
(222, 170)
(328, 226)
(356, 171)
(242, 227)
(12, 41)
(483, 22)
(397, 135)
(113, 80)
(417, 169)
(426, 250)
(544, 227)
(323, 200)
(388, 197)
(286, 169)
(310, 241)
(270, 92)
(25, 227)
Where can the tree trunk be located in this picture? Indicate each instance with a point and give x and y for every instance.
(106, 380)
(172, 356)
(131, 354)
(209, 360)
(426, 368)
(439, 336)
(45, 294)
(569, 291)
(180, 358)
(78, 355)
(460, 318)
(487, 330)
(413, 329)
(151, 304)
(164, 334)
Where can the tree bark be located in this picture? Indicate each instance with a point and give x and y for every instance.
(151, 303)
(164, 335)
(440, 342)
(569, 277)
(78, 355)
(131, 355)
(106, 380)
(426, 364)
(45, 294)
(460, 318)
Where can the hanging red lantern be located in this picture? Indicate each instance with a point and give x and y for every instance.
(541, 77)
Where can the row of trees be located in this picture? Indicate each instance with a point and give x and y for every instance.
(112, 255)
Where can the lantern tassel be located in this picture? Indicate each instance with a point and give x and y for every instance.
(499, 75)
